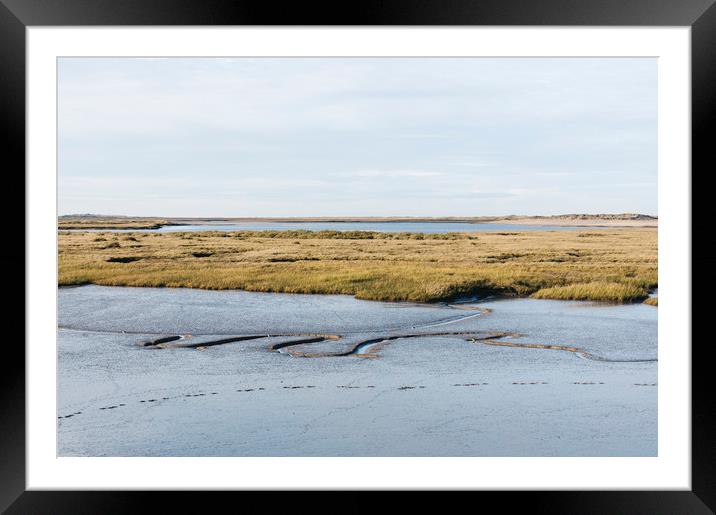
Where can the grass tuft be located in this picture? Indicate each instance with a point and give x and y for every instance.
(599, 291)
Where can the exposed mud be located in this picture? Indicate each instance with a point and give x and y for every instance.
(368, 348)
(371, 347)
(405, 380)
(187, 396)
(576, 350)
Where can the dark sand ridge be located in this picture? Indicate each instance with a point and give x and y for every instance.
(370, 348)
(363, 348)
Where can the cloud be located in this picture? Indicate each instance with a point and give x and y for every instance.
(274, 136)
(493, 194)
(475, 164)
(390, 173)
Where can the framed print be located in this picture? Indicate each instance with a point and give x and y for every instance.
(421, 249)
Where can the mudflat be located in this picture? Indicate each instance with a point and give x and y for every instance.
(441, 392)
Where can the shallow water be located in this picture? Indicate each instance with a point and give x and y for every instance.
(423, 227)
(426, 395)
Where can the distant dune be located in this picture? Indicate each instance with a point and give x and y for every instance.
(582, 220)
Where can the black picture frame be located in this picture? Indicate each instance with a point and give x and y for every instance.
(17, 15)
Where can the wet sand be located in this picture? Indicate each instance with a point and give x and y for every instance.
(502, 380)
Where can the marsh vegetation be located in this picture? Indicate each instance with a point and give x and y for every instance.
(619, 266)
(109, 223)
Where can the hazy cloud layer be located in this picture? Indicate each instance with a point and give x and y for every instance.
(282, 137)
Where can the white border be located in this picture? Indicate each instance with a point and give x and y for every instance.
(670, 470)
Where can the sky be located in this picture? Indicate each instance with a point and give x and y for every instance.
(242, 137)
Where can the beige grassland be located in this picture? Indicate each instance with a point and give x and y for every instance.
(615, 265)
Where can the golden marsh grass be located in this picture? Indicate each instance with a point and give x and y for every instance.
(109, 223)
(598, 290)
(617, 265)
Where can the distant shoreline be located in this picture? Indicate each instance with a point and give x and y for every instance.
(590, 222)
(576, 220)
